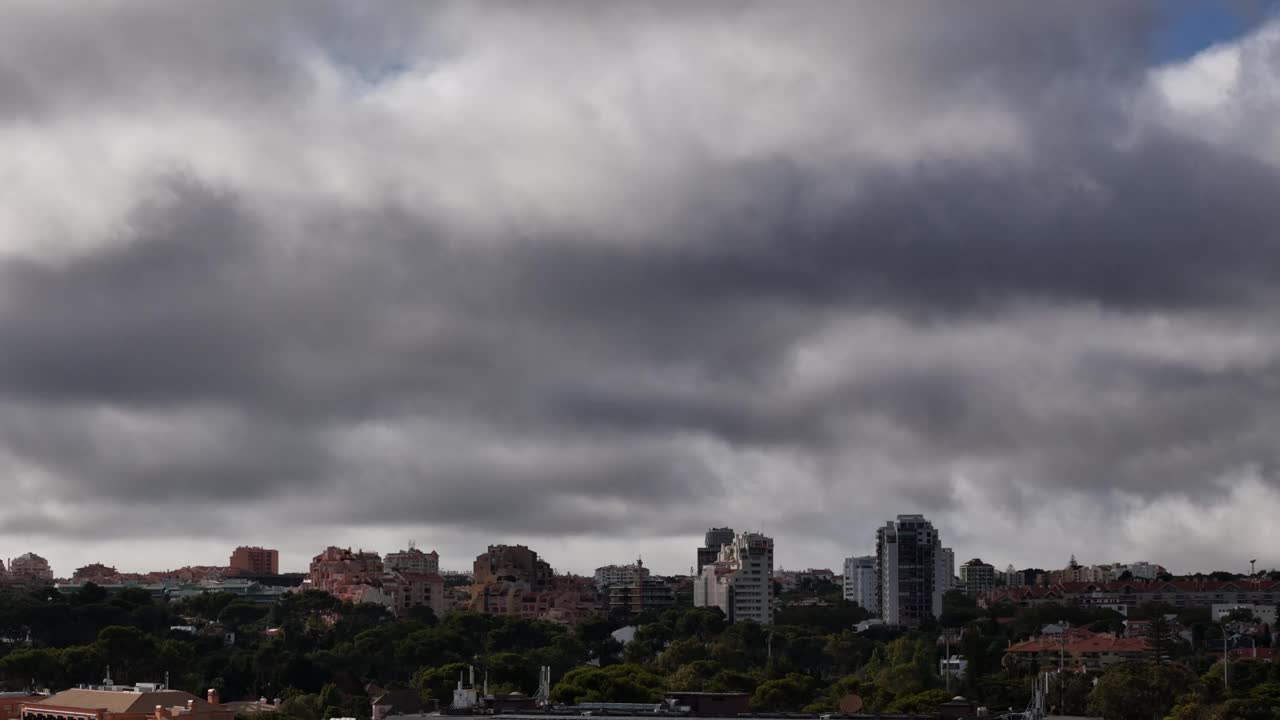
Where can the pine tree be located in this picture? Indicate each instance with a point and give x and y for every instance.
(1162, 644)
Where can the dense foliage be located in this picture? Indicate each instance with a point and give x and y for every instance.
(320, 655)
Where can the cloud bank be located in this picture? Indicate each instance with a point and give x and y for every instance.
(595, 278)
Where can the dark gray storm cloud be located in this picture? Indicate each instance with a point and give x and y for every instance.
(598, 277)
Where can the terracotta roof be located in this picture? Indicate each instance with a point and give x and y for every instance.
(124, 702)
(1090, 642)
(1121, 586)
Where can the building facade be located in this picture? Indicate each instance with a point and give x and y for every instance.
(142, 703)
(911, 571)
(413, 560)
(635, 598)
(1125, 595)
(30, 566)
(977, 577)
(740, 581)
(860, 582)
(715, 539)
(610, 575)
(510, 564)
(336, 568)
(255, 560)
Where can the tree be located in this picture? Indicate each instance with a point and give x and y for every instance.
(437, 683)
(925, 702)
(1162, 644)
(1137, 691)
(616, 683)
(788, 693)
(1069, 693)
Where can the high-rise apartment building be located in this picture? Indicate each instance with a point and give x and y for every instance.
(740, 581)
(948, 569)
(911, 571)
(715, 539)
(860, 581)
(977, 577)
(255, 560)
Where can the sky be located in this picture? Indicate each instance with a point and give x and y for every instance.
(594, 277)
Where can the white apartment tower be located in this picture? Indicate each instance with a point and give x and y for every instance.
(860, 581)
(912, 571)
(740, 581)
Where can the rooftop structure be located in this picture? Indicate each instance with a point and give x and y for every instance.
(150, 702)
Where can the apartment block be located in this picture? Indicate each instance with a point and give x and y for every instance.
(740, 581)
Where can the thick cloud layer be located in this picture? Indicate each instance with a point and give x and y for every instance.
(597, 277)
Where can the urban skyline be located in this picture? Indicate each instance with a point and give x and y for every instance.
(462, 563)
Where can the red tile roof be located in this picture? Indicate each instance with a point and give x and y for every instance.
(1081, 642)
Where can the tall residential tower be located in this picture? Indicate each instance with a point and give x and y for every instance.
(912, 571)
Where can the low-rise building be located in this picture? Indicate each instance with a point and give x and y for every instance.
(1080, 650)
(145, 702)
(11, 703)
(413, 560)
(611, 575)
(30, 566)
(1179, 593)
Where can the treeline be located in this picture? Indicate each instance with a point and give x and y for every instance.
(320, 655)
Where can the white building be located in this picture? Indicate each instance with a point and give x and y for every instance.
(1264, 613)
(740, 581)
(948, 569)
(912, 571)
(860, 581)
(611, 575)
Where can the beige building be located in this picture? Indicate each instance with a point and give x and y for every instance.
(30, 566)
(740, 581)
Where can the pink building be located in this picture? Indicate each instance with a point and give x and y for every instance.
(413, 560)
(406, 580)
(30, 566)
(96, 573)
(336, 568)
(255, 560)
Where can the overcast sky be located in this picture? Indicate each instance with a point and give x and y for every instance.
(596, 276)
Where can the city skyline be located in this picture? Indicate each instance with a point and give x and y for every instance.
(298, 561)
(598, 277)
